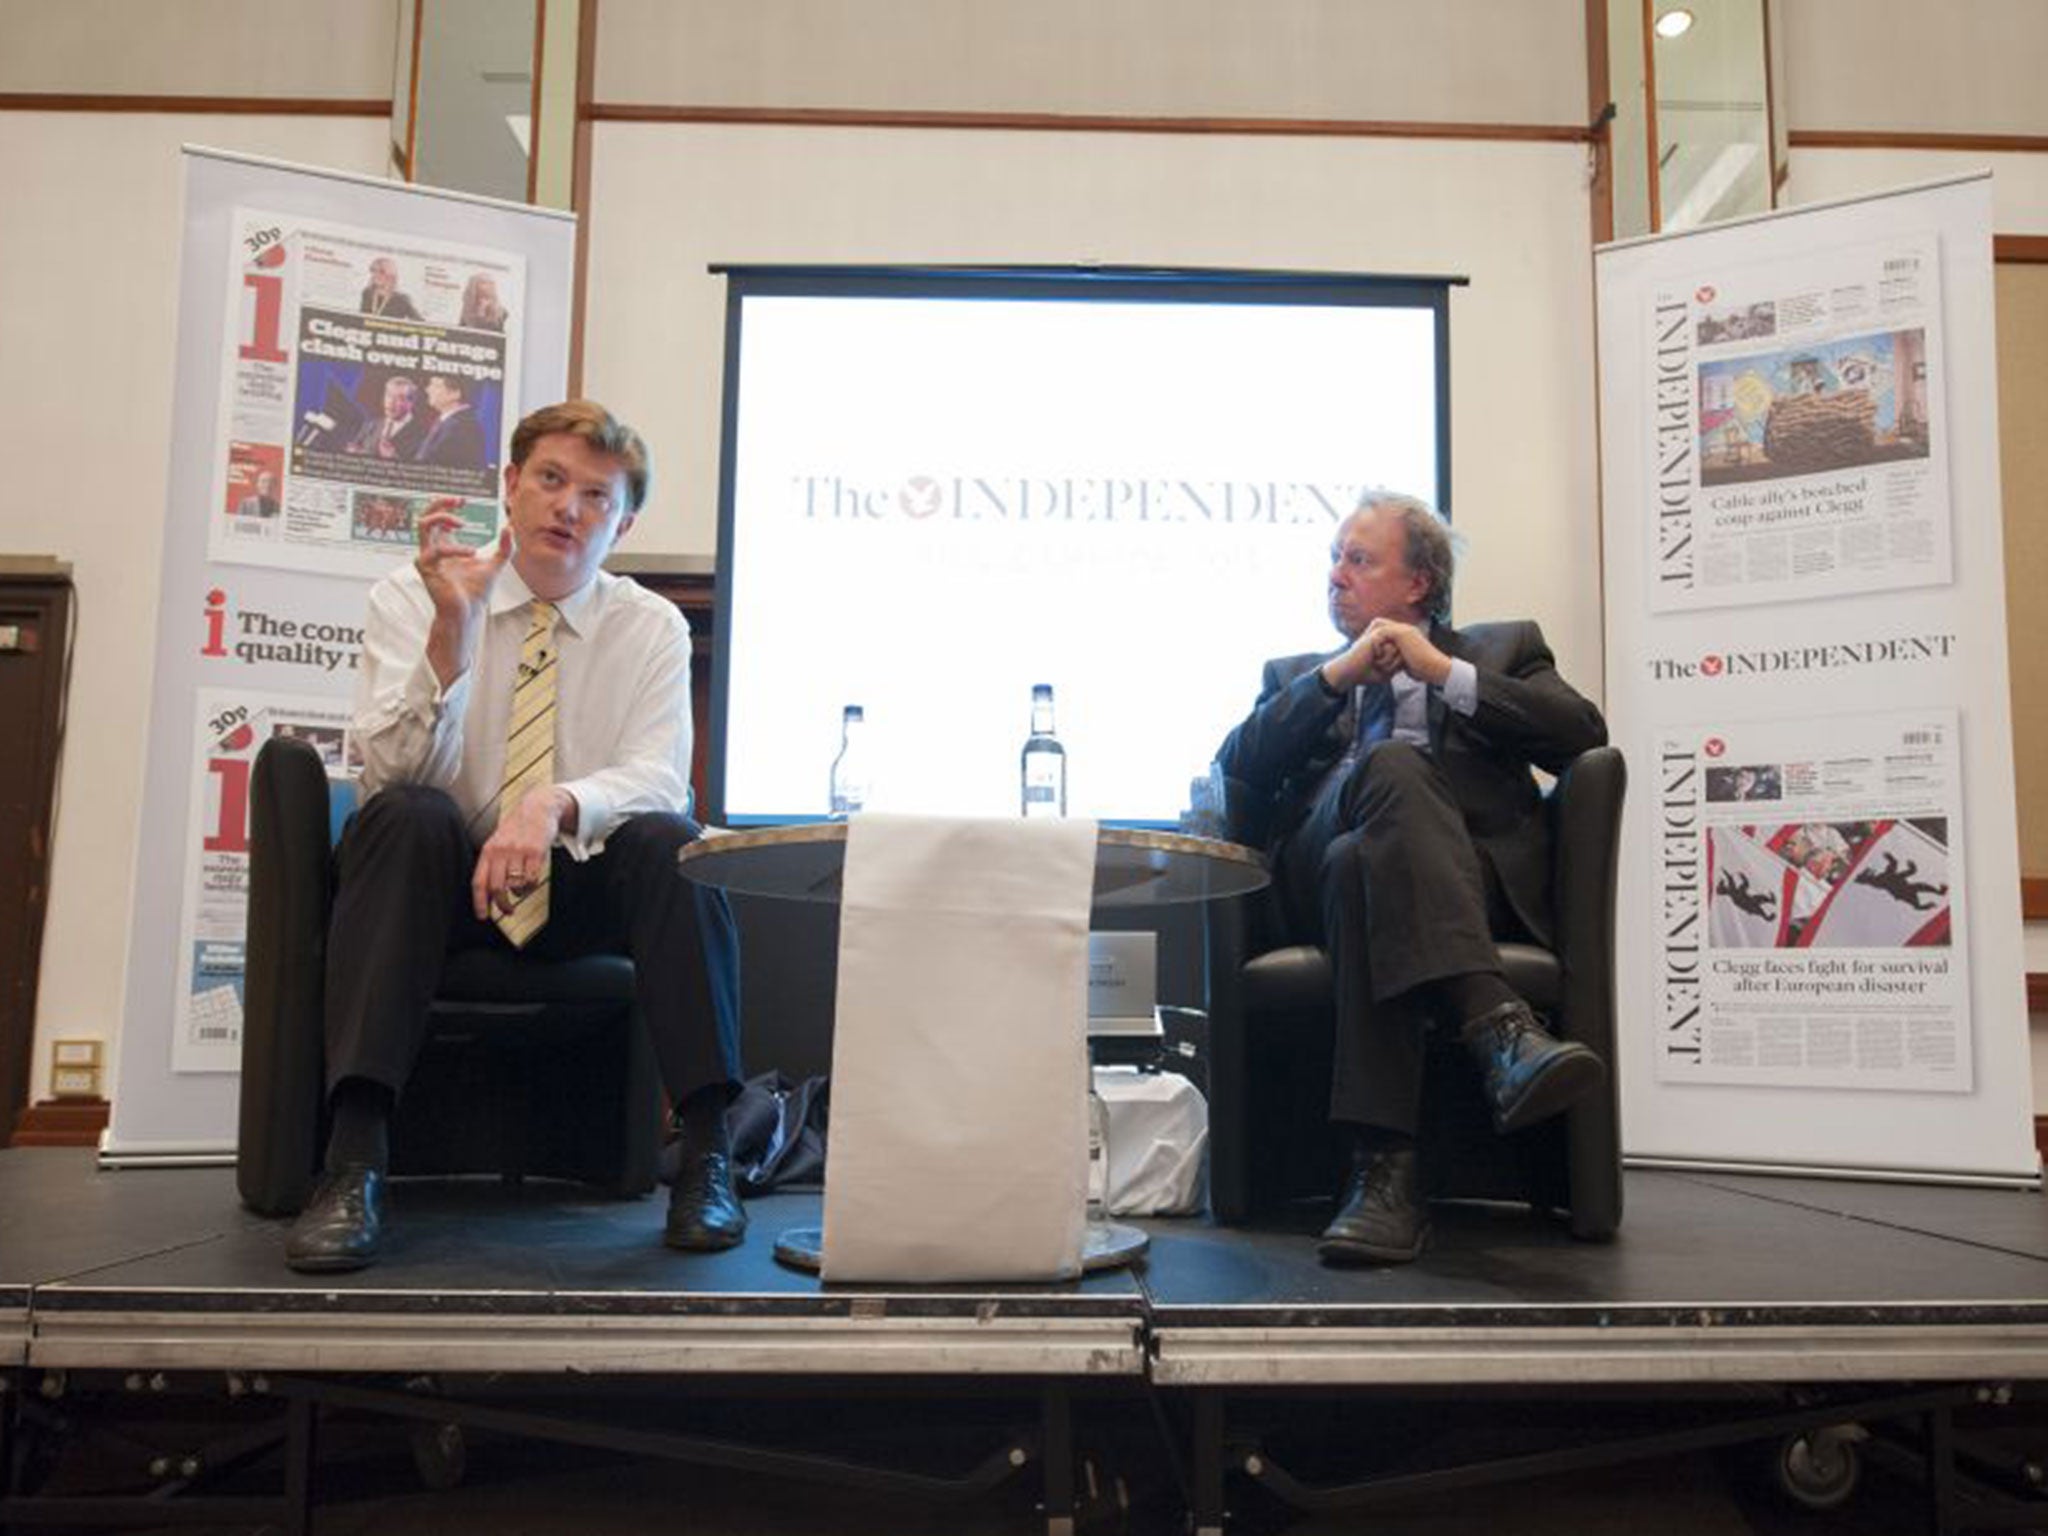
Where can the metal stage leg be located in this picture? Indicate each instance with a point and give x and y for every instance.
(10, 1396)
(1208, 1464)
(301, 1445)
(1058, 1451)
(1974, 1472)
(1941, 1470)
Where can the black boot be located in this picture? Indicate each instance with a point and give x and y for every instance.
(1529, 1073)
(342, 1226)
(1380, 1215)
(703, 1211)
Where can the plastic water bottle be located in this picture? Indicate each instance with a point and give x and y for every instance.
(850, 768)
(1098, 1153)
(1045, 760)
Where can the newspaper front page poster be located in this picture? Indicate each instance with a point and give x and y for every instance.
(1798, 448)
(1810, 913)
(368, 375)
(230, 727)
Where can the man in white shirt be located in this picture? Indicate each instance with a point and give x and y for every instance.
(507, 806)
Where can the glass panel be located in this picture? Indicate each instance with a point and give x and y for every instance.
(1713, 157)
(401, 89)
(475, 95)
(1627, 84)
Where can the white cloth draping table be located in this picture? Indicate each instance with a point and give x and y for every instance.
(959, 1059)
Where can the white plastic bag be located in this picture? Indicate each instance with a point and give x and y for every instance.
(1158, 1142)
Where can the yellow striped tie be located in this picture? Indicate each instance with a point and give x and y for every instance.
(530, 755)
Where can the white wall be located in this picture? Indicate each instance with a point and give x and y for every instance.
(476, 74)
(88, 286)
(669, 200)
(2019, 182)
(1450, 60)
(1897, 66)
(199, 47)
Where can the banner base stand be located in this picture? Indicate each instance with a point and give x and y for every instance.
(1963, 1178)
(114, 1157)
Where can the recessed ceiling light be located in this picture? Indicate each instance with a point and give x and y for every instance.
(1675, 22)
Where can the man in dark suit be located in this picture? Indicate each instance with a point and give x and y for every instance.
(1390, 783)
(456, 439)
(398, 433)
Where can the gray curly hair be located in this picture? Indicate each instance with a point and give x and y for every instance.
(1429, 546)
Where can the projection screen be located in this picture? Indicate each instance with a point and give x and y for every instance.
(942, 486)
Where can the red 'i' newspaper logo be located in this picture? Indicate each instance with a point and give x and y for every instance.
(216, 624)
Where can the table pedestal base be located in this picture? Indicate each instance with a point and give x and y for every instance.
(1108, 1245)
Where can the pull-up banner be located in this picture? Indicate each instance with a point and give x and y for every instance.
(1820, 942)
(348, 349)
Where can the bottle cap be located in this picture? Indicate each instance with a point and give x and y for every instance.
(853, 712)
(1041, 690)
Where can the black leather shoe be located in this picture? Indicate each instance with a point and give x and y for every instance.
(1530, 1073)
(1380, 1215)
(342, 1226)
(703, 1212)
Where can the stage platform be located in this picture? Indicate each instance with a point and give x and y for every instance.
(1712, 1278)
(1714, 1281)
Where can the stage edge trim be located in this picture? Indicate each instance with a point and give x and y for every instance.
(1281, 1357)
(591, 1346)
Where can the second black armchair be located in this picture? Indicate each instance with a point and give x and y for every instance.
(1271, 1029)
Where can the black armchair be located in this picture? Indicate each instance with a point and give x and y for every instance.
(531, 1067)
(1271, 1029)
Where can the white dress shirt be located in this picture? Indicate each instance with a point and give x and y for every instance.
(622, 710)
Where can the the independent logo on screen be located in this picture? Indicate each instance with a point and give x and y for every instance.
(828, 496)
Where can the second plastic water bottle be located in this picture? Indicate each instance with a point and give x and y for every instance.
(1045, 760)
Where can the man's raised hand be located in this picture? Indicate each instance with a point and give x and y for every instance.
(455, 574)
(458, 579)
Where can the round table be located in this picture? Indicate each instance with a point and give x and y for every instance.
(1134, 867)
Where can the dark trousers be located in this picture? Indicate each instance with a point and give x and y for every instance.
(403, 905)
(1384, 875)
